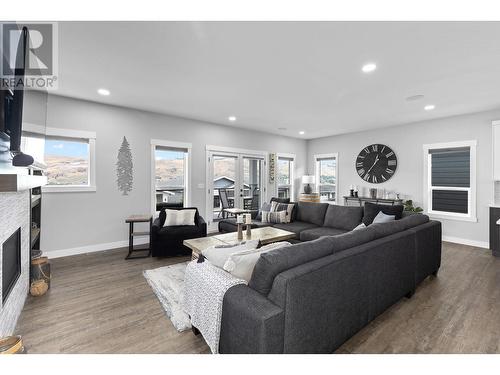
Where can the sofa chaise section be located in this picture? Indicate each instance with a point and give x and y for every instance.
(313, 296)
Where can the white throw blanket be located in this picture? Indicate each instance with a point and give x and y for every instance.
(205, 287)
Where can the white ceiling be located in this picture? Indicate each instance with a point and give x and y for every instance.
(298, 75)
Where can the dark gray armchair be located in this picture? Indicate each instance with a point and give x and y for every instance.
(167, 241)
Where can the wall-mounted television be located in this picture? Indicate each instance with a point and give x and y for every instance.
(12, 99)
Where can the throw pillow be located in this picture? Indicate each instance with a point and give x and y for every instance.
(383, 218)
(274, 217)
(179, 217)
(241, 264)
(280, 200)
(265, 207)
(288, 208)
(217, 255)
(360, 226)
(371, 210)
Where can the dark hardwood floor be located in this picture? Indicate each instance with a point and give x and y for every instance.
(100, 303)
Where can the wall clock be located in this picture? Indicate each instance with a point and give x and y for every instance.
(376, 163)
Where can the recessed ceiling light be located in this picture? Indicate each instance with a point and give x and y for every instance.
(232, 118)
(302, 132)
(368, 68)
(103, 92)
(414, 98)
(429, 107)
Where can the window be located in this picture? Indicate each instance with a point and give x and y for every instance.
(69, 157)
(285, 176)
(326, 177)
(170, 174)
(450, 184)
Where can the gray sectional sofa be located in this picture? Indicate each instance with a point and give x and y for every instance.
(312, 296)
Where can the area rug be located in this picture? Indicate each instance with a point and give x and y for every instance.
(168, 285)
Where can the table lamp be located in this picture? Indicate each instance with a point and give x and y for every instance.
(307, 181)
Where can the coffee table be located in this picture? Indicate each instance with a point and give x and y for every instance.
(266, 236)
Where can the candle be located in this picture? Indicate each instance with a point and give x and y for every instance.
(351, 187)
(356, 188)
(239, 219)
(248, 219)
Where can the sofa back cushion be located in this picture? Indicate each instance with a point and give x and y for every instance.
(414, 220)
(380, 230)
(274, 262)
(371, 210)
(312, 212)
(351, 239)
(343, 217)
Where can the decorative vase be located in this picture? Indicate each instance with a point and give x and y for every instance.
(240, 231)
(373, 193)
(249, 231)
(307, 189)
(351, 193)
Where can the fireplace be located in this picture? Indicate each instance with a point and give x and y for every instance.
(11, 263)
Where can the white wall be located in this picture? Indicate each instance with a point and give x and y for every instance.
(407, 141)
(95, 220)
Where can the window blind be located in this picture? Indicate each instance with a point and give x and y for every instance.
(451, 167)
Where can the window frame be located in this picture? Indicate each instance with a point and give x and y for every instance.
(428, 188)
(291, 158)
(317, 159)
(89, 136)
(187, 167)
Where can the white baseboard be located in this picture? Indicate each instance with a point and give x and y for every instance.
(142, 241)
(464, 241)
(92, 248)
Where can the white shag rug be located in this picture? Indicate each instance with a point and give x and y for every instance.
(168, 285)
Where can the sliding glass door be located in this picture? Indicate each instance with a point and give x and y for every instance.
(235, 181)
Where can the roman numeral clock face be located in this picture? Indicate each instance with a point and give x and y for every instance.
(376, 163)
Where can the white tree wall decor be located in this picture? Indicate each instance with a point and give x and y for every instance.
(124, 168)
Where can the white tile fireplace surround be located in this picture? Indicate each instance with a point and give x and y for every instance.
(14, 214)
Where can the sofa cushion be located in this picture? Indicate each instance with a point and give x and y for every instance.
(296, 227)
(312, 212)
(343, 217)
(351, 239)
(414, 220)
(274, 262)
(312, 234)
(386, 229)
(179, 231)
(371, 210)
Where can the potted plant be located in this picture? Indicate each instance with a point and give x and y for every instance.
(408, 206)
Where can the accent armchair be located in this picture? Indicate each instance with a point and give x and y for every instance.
(167, 241)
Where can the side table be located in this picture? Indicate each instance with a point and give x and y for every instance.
(313, 197)
(131, 234)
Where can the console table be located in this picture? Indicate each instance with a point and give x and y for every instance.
(362, 200)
